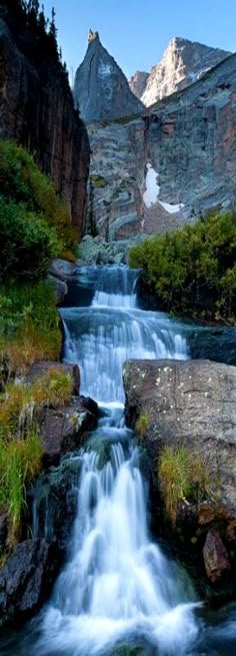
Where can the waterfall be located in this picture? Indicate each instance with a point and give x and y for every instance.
(101, 337)
(117, 586)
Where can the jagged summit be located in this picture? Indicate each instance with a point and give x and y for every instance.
(101, 90)
(183, 62)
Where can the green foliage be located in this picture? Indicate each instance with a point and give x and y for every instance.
(193, 270)
(182, 476)
(28, 244)
(28, 196)
(29, 325)
(142, 424)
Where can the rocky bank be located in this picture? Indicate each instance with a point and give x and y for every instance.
(191, 404)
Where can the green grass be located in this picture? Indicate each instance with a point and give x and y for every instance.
(182, 477)
(29, 324)
(20, 463)
(142, 424)
(192, 271)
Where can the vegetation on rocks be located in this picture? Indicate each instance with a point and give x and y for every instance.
(20, 443)
(192, 271)
(183, 477)
(142, 424)
(34, 227)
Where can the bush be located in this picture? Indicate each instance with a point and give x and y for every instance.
(23, 185)
(27, 243)
(193, 270)
(182, 477)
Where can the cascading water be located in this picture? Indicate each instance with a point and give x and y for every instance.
(118, 589)
(117, 586)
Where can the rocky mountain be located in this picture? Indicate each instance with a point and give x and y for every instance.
(157, 172)
(138, 83)
(37, 110)
(101, 90)
(182, 64)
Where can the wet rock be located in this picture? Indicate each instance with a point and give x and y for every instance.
(53, 502)
(216, 558)
(65, 429)
(39, 368)
(62, 269)
(26, 579)
(60, 287)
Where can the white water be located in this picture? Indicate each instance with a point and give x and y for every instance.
(117, 587)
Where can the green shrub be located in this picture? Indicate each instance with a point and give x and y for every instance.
(27, 243)
(182, 477)
(193, 270)
(24, 185)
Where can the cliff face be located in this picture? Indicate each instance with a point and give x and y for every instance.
(182, 64)
(101, 90)
(163, 170)
(36, 110)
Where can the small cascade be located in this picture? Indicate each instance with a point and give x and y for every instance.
(117, 585)
(101, 337)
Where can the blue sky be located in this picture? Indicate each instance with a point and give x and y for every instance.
(136, 32)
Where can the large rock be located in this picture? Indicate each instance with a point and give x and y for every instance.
(26, 579)
(182, 64)
(191, 404)
(65, 429)
(101, 90)
(36, 110)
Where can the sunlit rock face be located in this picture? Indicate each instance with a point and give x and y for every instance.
(183, 63)
(101, 91)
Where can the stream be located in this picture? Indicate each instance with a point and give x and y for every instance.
(119, 593)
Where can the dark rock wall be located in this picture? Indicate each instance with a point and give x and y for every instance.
(36, 109)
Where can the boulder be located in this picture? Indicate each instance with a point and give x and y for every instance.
(62, 269)
(216, 558)
(65, 429)
(60, 288)
(191, 404)
(26, 579)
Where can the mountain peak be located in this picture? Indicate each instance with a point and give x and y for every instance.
(101, 90)
(183, 63)
(93, 36)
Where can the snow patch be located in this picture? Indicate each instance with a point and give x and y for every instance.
(171, 209)
(152, 191)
